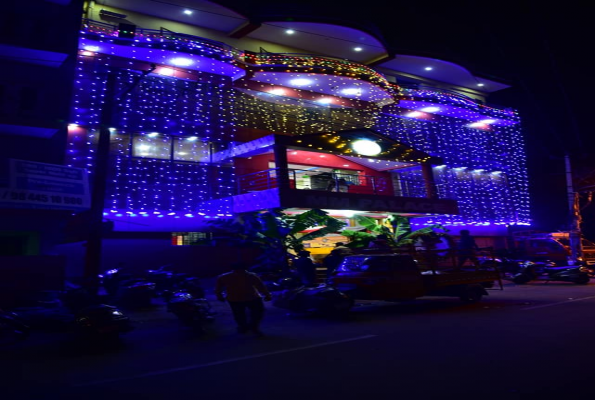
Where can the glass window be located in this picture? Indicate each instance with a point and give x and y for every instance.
(191, 238)
(191, 149)
(151, 146)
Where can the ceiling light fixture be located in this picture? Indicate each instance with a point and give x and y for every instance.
(181, 61)
(352, 91)
(366, 147)
(300, 82)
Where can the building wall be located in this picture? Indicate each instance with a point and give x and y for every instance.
(137, 255)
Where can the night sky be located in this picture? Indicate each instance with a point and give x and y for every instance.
(543, 52)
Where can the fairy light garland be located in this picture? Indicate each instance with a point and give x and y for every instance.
(166, 127)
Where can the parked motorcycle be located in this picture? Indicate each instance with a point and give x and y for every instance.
(167, 280)
(282, 283)
(321, 300)
(74, 310)
(126, 290)
(531, 271)
(12, 327)
(193, 312)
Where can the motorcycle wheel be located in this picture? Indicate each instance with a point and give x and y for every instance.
(582, 280)
(11, 334)
(337, 308)
(471, 294)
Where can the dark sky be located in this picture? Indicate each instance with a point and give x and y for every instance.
(541, 50)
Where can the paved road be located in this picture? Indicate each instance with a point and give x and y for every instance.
(525, 342)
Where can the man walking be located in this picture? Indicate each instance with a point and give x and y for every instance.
(466, 248)
(244, 293)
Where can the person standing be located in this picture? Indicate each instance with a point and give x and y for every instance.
(343, 250)
(466, 248)
(305, 268)
(244, 293)
(332, 262)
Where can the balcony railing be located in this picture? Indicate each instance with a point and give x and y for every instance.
(215, 49)
(325, 181)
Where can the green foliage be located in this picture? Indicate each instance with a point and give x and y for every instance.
(401, 235)
(275, 232)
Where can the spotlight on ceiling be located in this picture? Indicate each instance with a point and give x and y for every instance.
(366, 147)
(300, 82)
(181, 61)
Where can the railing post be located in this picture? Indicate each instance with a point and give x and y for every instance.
(429, 181)
(281, 166)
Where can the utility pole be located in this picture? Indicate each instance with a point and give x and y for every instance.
(576, 246)
(94, 239)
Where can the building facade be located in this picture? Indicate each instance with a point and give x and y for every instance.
(183, 115)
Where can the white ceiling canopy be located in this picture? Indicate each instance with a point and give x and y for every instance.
(327, 39)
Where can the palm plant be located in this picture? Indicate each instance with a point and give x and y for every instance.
(401, 235)
(275, 233)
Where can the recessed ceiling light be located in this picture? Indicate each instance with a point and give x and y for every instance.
(357, 49)
(480, 84)
(428, 68)
(91, 48)
(414, 114)
(430, 109)
(188, 12)
(325, 100)
(165, 71)
(352, 91)
(366, 147)
(290, 31)
(300, 82)
(278, 92)
(181, 61)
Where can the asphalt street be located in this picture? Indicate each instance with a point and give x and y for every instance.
(524, 342)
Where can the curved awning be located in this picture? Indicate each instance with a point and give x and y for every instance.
(345, 143)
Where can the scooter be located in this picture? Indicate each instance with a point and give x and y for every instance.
(531, 271)
(167, 280)
(322, 300)
(94, 320)
(193, 312)
(126, 290)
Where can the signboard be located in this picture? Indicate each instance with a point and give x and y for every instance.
(44, 186)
